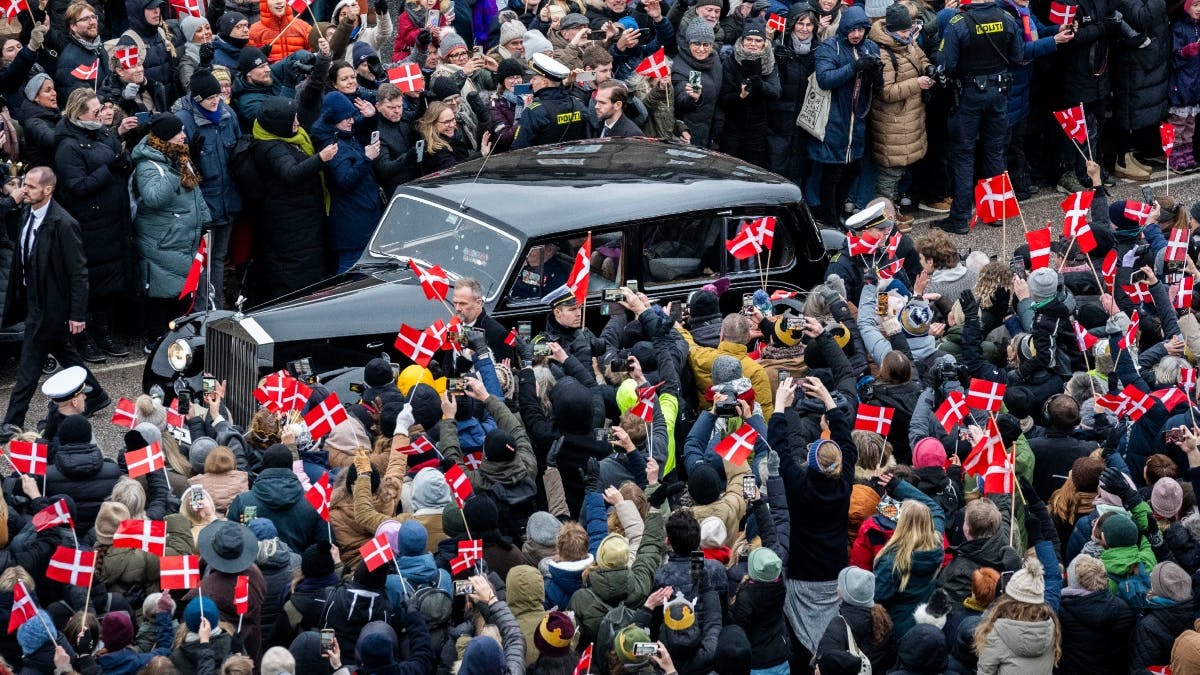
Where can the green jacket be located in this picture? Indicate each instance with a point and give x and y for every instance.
(523, 465)
(1119, 561)
(526, 594)
(168, 222)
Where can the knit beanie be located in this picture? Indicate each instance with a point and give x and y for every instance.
(376, 645)
(336, 108)
(1028, 584)
(317, 561)
(263, 529)
(227, 22)
(1125, 228)
(876, 9)
(198, 453)
(277, 661)
(1043, 284)
(482, 656)
(624, 641)
(203, 84)
(34, 85)
(1166, 498)
(411, 539)
(197, 607)
(278, 456)
(856, 587)
(190, 24)
(452, 521)
(725, 369)
(74, 429)
(755, 28)
(116, 630)
(108, 520)
(481, 513)
(764, 565)
(613, 552)
(499, 446)
(1169, 580)
(33, 633)
(705, 484)
(536, 43)
(449, 43)
(898, 18)
(712, 532)
(543, 528)
(249, 59)
(1120, 531)
(554, 633)
(928, 452)
(699, 32)
(511, 30)
(839, 662)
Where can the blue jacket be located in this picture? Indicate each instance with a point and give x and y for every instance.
(354, 208)
(701, 443)
(1042, 44)
(225, 54)
(1185, 73)
(215, 142)
(846, 130)
(563, 579)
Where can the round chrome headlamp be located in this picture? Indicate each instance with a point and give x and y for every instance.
(179, 355)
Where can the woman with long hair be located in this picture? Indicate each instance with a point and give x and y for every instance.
(906, 567)
(445, 144)
(1020, 633)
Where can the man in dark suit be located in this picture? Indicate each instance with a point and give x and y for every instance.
(48, 288)
(611, 98)
(468, 305)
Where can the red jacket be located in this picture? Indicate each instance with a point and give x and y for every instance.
(406, 35)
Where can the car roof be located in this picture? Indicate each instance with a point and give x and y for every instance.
(601, 182)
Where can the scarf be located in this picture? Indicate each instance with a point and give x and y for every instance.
(801, 47)
(213, 116)
(181, 161)
(417, 14)
(88, 125)
(1027, 30)
(766, 56)
(301, 140)
(900, 40)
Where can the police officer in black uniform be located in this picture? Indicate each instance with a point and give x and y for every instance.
(980, 43)
(554, 116)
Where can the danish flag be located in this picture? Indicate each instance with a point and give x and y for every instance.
(126, 414)
(270, 393)
(1137, 402)
(1039, 247)
(782, 295)
(644, 408)
(1073, 123)
(1084, 237)
(458, 565)
(952, 411)
(192, 282)
(894, 243)
(28, 456)
(473, 460)
(985, 395)
(459, 484)
(1076, 207)
(471, 550)
(296, 394)
(736, 447)
(298, 6)
(1130, 338)
(13, 8)
(1109, 268)
(83, 72)
(890, 270)
(995, 199)
(376, 552)
(874, 418)
(407, 77)
(1083, 338)
(864, 245)
(1170, 397)
(129, 56)
(419, 445)
(989, 460)
(418, 345)
(1113, 403)
(327, 415)
(1062, 14)
(745, 244)
(23, 608)
(434, 280)
(1183, 293)
(1166, 132)
(581, 272)
(655, 65)
(511, 338)
(144, 460)
(241, 595)
(1138, 212)
(1187, 379)
(1177, 245)
(585, 662)
(317, 495)
(776, 23)
(52, 516)
(147, 535)
(174, 418)
(1139, 293)
(764, 229)
(179, 572)
(186, 7)
(72, 566)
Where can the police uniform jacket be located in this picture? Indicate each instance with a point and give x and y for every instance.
(553, 117)
(982, 40)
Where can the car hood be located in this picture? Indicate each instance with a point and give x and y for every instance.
(359, 302)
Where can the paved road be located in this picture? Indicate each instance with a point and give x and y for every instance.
(122, 377)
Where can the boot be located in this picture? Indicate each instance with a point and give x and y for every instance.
(87, 348)
(1132, 161)
(1127, 169)
(105, 340)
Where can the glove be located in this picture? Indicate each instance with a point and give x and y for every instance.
(829, 295)
(1033, 501)
(581, 347)
(207, 51)
(591, 476)
(772, 464)
(445, 465)
(130, 91)
(665, 492)
(524, 349)
(381, 7)
(477, 341)
(864, 63)
(424, 39)
(970, 306)
(1114, 481)
(38, 37)
(86, 643)
(1189, 50)
(404, 419)
(1033, 528)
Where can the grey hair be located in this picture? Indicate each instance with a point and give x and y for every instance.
(471, 283)
(131, 495)
(1166, 371)
(545, 380)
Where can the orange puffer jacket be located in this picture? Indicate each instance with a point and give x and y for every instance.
(268, 26)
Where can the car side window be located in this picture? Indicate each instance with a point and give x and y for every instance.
(683, 248)
(547, 265)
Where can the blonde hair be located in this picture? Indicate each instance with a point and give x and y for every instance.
(829, 459)
(10, 577)
(993, 276)
(1006, 607)
(185, 505)
(130, 493)
(427, 127)
(914, 532)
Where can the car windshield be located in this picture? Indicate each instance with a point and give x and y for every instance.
(462, 245)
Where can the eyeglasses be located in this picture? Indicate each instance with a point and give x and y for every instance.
(86, 19)
(455, 56)
(701, 45)
(449, 121)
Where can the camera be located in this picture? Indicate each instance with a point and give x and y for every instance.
(728, 407)
(463, 587)
(605, 435)
(620, 362)
(942, 372)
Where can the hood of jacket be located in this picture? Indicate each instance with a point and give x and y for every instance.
(136, 9)
(278, 488)
(852, 17)
(611, 586)
(279, 559)
(1026, 639)
(526, 590)
(79, 461)
(418, 569)
(572, 404)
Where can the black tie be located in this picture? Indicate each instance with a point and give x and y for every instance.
(28, 246)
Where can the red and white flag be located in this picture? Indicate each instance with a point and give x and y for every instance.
(1085, 239)
(736, 447)
(644, 408)
(1083, 338)
(241, 595)
(877, 419)
(129, 56)
(174, 418)
(14, 7)
(1183, 293)
(317, 495)
(864, 245)
(299, 6)
(783, 295)
(1130, 338)
(458, 565)
(894, 243)
(28, 456)
(376, 552)
(192, 283)
(890, 270)
(296, 395)
(745, 244)
(85, 72)
(473, 460)
(655, 65)
(459, 484)
(995, 199)
(764, 229)
(418, 345)
(179, 572)
(417, 446)
(1039, 247)
(52, 516)
(581, 271)
(1166, 133)
(585, 662)
(985, 395)
(471, 549)
(185, 8)
(1138, 212)
(1076, 209)
(1177, 245)
(1187, 379)
(1170, 397)
(952, 411)
(434, 280)
(1113, 403)
(1073, 123)
(144, 460)
(125, 415)
(146, 535)
(407, 77)
(1138, 293)
(1062, 14)
(511, 338)
(23, 607)
(272, 391)
(989, 460)
(776, 23)
(72, 566)
(1137, 402)
(325, 416)
(1108, 269)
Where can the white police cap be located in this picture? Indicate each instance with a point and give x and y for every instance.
(548, 67)
(66, 385)
(872, 216)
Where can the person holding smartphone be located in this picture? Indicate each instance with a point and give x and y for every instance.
(507, 103)
(354, 208)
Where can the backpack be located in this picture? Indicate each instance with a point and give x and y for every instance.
(1134, 587)
(242, 167)
(435, 605)
(616, 618)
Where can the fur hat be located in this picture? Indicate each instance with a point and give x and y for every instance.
(856, 587)
(935, 611)
(1028, 584)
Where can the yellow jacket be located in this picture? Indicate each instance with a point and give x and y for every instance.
(701, 360)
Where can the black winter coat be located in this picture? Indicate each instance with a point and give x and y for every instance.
(397, 162)
(903, 398)
(1155, 633)
(1140, 76)
(1053, 456)
(81, 471)
(759, 611)
(701, 117)
(1082, 65)
(289, 233)
(748, 116)
(1095, 633)
(881, 655)
(74, 54)
(113, 89)
(93, 175)
(39, 145)
(157, 60)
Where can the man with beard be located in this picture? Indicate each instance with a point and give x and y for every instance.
(82, 51)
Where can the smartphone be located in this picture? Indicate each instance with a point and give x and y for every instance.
(747, 302)
(185, 402)
(327, 638)
(748, 486)
(694, 79)
(1174, 436)
(632, 285)
(784, 375)
(1148, 195)
(420, 148)
(209, 385)
(462, 587)
(697, 565)
(794, 322)
(523, 89)
(586, 76)
(677, 312)
(645, 648)
(525, 329)
(597, 36)
(603, 435)
(249, 513)
(197, 498)
(456, 385)
(374, 137)
(142, 117)
(541, 351)
(434, 17)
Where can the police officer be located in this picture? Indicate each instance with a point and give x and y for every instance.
(554, 116)
(67, 391)
(980, 43)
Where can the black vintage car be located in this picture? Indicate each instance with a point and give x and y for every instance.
(658, 213)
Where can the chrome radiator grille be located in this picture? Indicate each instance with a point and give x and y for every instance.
(231, 354)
